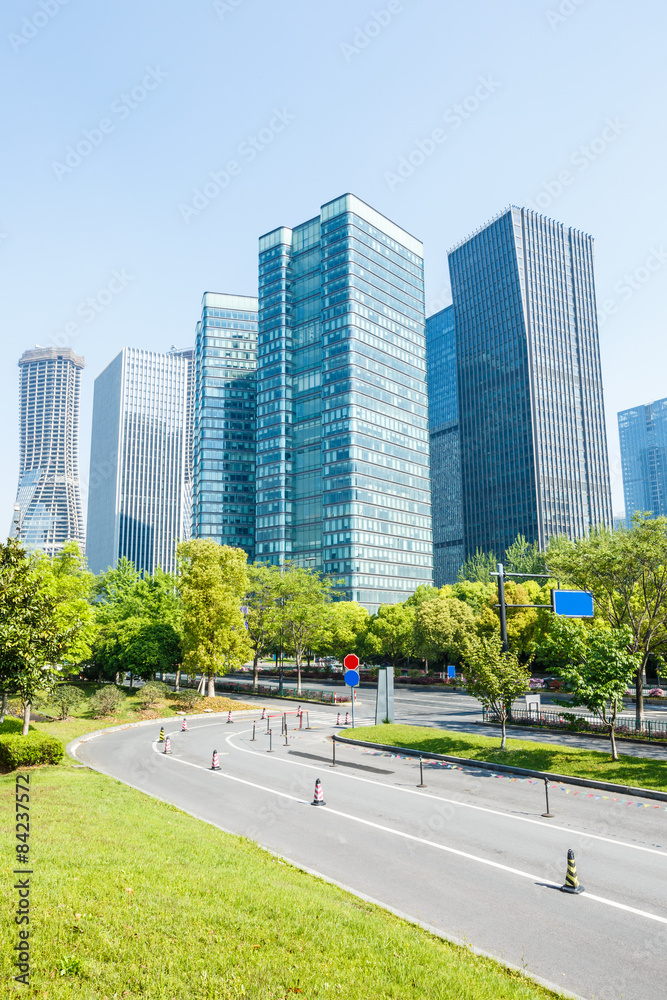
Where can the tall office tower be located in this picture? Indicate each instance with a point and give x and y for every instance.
(531, 412)
(188, 356)
(643, 434)
(448, 554)
(342, 410)
(48, 495)
(224, 421)
(138, 461)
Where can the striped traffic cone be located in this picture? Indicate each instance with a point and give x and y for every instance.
(160, 738)
(229, 716)
(167, 745)
(298, 711)
(184, 727)
(347, 718)
(263, 714)
(338, 719)
(571, 880)
(319, 794)
(214, 763)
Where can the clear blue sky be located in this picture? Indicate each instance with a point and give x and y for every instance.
(311, 99)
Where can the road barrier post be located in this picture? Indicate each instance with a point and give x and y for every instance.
(270, 750)
(547, 814)
(421, 774)
(333, 748)
(253, 733)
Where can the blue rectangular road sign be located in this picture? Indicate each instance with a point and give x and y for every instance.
(572, 603)
(451, 673)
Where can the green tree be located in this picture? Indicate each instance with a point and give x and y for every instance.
(626, 571)
(596, 667)
(479, 567)
(303, 597)
(149, 647)
(342, 630)
(262, 619)
(442, 628)
(66, 697)
(66, 579)
(523, 556)
(33, 636)
(213, 584)
(494, 677)
(391, 631)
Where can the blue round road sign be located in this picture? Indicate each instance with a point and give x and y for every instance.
(352, 678)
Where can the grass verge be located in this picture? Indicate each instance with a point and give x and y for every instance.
(580, 763)
(131, 897)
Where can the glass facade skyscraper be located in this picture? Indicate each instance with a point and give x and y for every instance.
(139, 461)
(643, 434)
(48, 495)
(531, 413)
(225, 374)
(448, 552)
(342, 411)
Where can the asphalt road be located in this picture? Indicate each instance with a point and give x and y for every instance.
(469, 856)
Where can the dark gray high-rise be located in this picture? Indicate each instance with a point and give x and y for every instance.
(529, 385)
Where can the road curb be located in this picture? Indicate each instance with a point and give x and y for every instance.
(568, 779)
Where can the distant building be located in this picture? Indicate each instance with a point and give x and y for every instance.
(643, 434)
(448, 548)
(343, 481)
(225, 378)
(530, 407)
(139, 461)
(48, 495)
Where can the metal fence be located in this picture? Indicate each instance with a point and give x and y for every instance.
(650, 729)
(326, 697)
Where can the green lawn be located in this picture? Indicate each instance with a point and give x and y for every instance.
(132, 897)
(637, 771)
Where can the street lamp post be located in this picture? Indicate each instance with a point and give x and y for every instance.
(17, 520)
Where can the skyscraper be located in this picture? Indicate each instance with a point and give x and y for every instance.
(531, 412)
(225, 372)
(342, 410)
(138, 461)
(643, 434)
(48, 494)
(448, 553)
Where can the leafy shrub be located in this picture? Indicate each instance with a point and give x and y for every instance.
(656, 693)
(107, 700)
(35, 748)
(66, 697)
(536, 683)
(150, 694)
(188, 698)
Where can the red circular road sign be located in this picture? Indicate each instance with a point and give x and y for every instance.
(351, 661)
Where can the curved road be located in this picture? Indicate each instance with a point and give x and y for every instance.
(469, 856)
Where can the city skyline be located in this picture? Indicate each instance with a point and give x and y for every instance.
(102, 251)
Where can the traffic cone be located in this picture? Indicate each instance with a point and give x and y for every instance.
(161, 736)
(347, 718)
(263, 714)
(214, 763)
(338, 719)
(167, 745)
(571, 880)
(229, 716)
(298, 712)
(319, 794)
(184, 727)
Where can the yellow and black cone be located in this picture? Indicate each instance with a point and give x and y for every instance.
(161, 736)
(571, 880)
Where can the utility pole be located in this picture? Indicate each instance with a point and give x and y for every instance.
(502, 607)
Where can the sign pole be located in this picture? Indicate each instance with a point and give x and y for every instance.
(352, 693)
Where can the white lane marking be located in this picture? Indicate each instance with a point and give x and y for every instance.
(428, 843)
(456, 802)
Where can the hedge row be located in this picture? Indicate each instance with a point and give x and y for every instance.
(35, 748)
